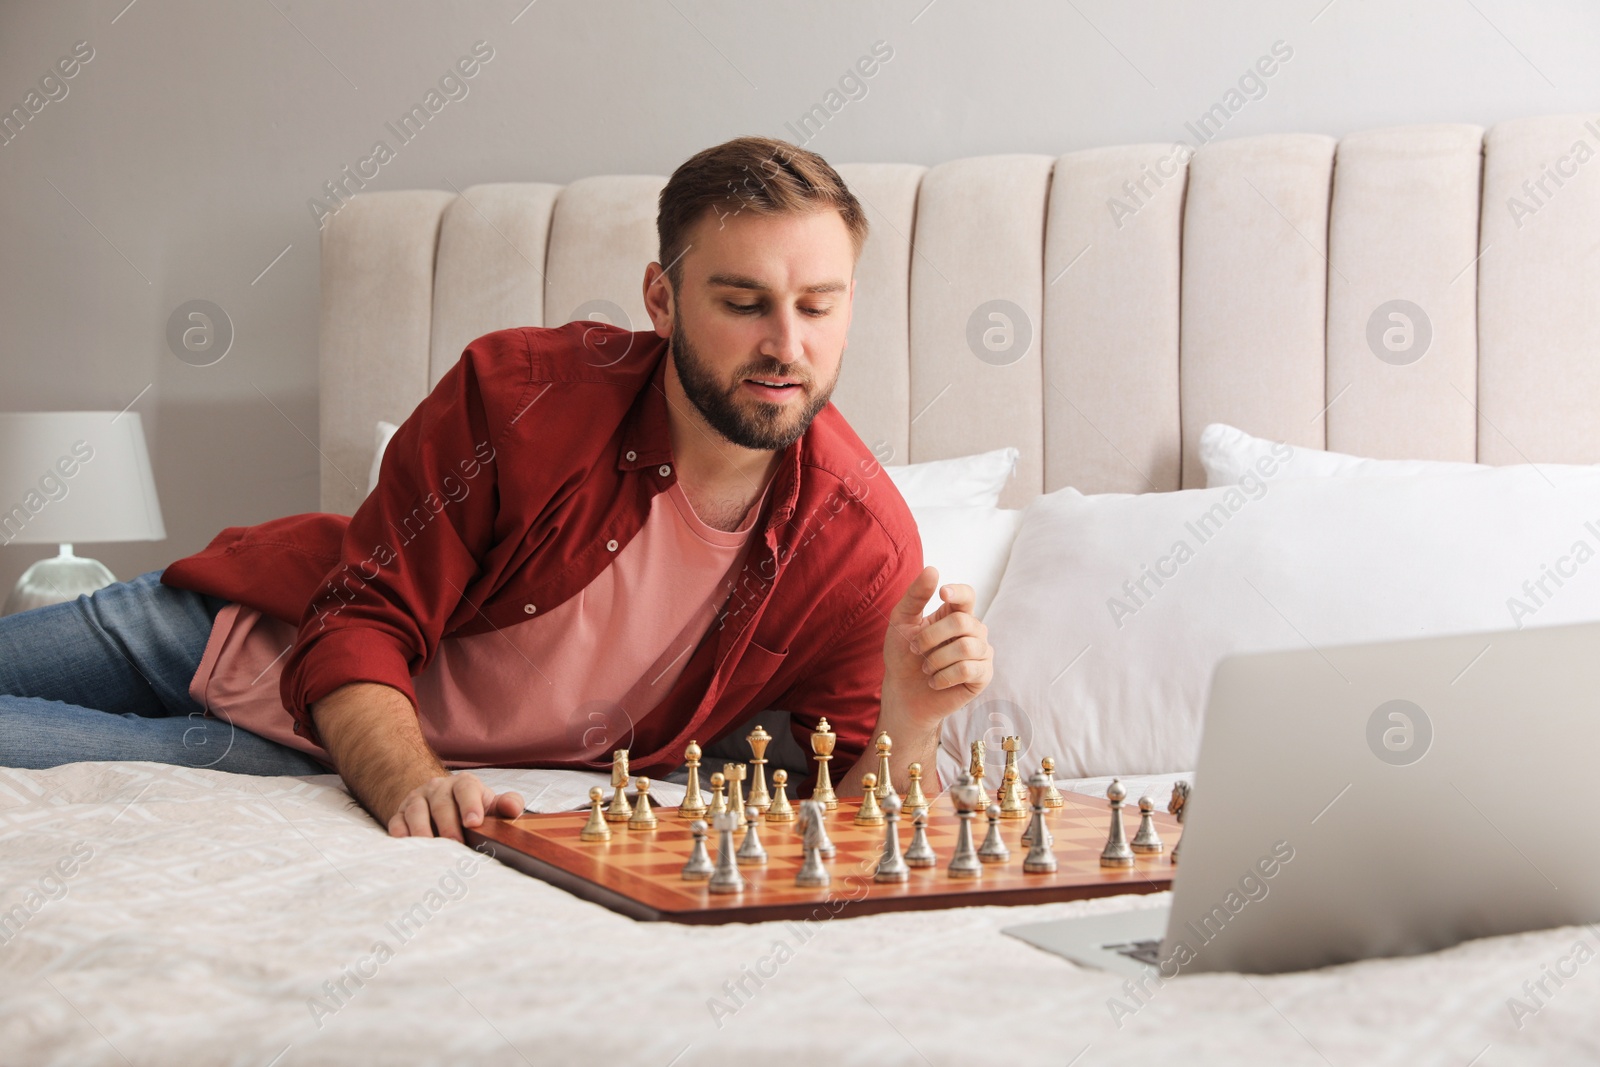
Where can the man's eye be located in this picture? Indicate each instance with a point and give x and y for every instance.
(743, 308)
(816, 313)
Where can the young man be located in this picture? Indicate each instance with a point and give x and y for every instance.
(583, 538)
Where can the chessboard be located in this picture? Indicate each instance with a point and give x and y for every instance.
(639, 872)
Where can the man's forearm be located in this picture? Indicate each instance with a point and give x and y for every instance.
(910, 744)
(372, 734)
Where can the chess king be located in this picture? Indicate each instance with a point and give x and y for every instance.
(649, 517)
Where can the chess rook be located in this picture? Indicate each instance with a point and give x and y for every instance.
(734, 774)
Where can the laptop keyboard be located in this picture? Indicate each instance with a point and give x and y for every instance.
(1148, 952)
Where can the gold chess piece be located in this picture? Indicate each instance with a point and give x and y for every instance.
(734, 774)
(1052, 795)
(694, 803)
(719, 803)
(780, 810)
(596, 829)
(870, 814)
(759, 740)
(982, 801)
(1011, 806)
(916, 800)
(822, 742)
(643, 817)
(1019, 794)
(620, 810)
(885, 786)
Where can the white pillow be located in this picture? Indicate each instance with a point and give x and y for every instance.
(967, 545)
(1102, 667)
(1226, 453)
(967, 481)
(385, 430)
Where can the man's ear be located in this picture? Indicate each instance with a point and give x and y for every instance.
(660, 302)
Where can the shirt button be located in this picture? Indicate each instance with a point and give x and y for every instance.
(611, 545)
(666, 469)
(529, 608)
(632, 455)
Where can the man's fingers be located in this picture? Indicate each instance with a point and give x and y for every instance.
(509, 805)
(958, 596)
(414, 811)
(471, 797)
(909, 610)
(446, 817)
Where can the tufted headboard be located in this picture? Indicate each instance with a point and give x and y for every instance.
(1095, 310)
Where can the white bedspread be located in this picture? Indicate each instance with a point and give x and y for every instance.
(208, 910)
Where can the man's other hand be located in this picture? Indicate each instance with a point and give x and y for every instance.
(442, 806)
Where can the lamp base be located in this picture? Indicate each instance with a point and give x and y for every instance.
(57, 580)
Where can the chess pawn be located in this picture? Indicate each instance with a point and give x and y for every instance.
(916, 800)
(885, 786)
(976, 770)
(993, 849)
(812, 873)
(1040, 860)
(699, 866)
(1116, 853)
(694, 804)
(719, 803)
(596, 829)
(964, 863)
(620, 810)
(1044, 826)
(644, 818)
(892, 865)
(1146, 840)
(734, 774)
(779, 810)
(870, 813)
(920, 853)
(822, 742)
(751, 849)
(1011, 804)
(759, 739)
(1052, 796)
(725, 876)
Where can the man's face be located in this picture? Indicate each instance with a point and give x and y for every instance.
(764, 299)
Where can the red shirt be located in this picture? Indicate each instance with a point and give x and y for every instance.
(512, 485)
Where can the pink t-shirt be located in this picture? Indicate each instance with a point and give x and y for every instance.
(566, 683)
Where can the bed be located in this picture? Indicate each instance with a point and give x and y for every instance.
(156, 914)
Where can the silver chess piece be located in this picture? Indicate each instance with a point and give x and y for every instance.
(920, 853)
(965, 795)
(725, 878)
(1039, 860)
(1116, 853)
(1147, 840)
(812, 837)
(1176, 807)
(993, 849)
(892, 865)
(751, 849)
(1044, 823)
(699, 866)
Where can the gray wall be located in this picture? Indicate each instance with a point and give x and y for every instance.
(180, 162)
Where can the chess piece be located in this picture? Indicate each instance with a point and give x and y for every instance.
(1146, 840)
(779, 809)
(1040, 860)
(719, 803)
(1012, 744)
(699, 866)
(920, 853)
(1116, 853)
(891, 865)
(725, 876)
(733, 774)
(1044, 824)
(1052, 796)
(993, 849)
(596, 829)
(976, 770)
(964, 795)
(751, 850)
(870, 814)
(885, 786)
(822, 742)
(916, 800)
(620, 810)
(759, 739)
(812, 873)
(1175, 807)
(644, 818)
(1011, 803)
(694, 804)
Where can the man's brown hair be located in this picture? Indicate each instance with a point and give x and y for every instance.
(761, 175)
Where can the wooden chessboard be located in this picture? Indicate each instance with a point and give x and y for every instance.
(638, 874)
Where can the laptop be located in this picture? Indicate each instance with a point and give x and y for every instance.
(1374, 800)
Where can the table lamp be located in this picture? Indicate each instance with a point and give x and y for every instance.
(73, 476)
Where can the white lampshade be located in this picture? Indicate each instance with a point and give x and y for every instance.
(76, 476)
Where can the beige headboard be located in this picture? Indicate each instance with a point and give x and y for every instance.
(1155, 297)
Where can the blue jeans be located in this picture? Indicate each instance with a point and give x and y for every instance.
(106, 677)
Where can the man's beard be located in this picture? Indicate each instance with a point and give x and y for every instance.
(767, 426)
